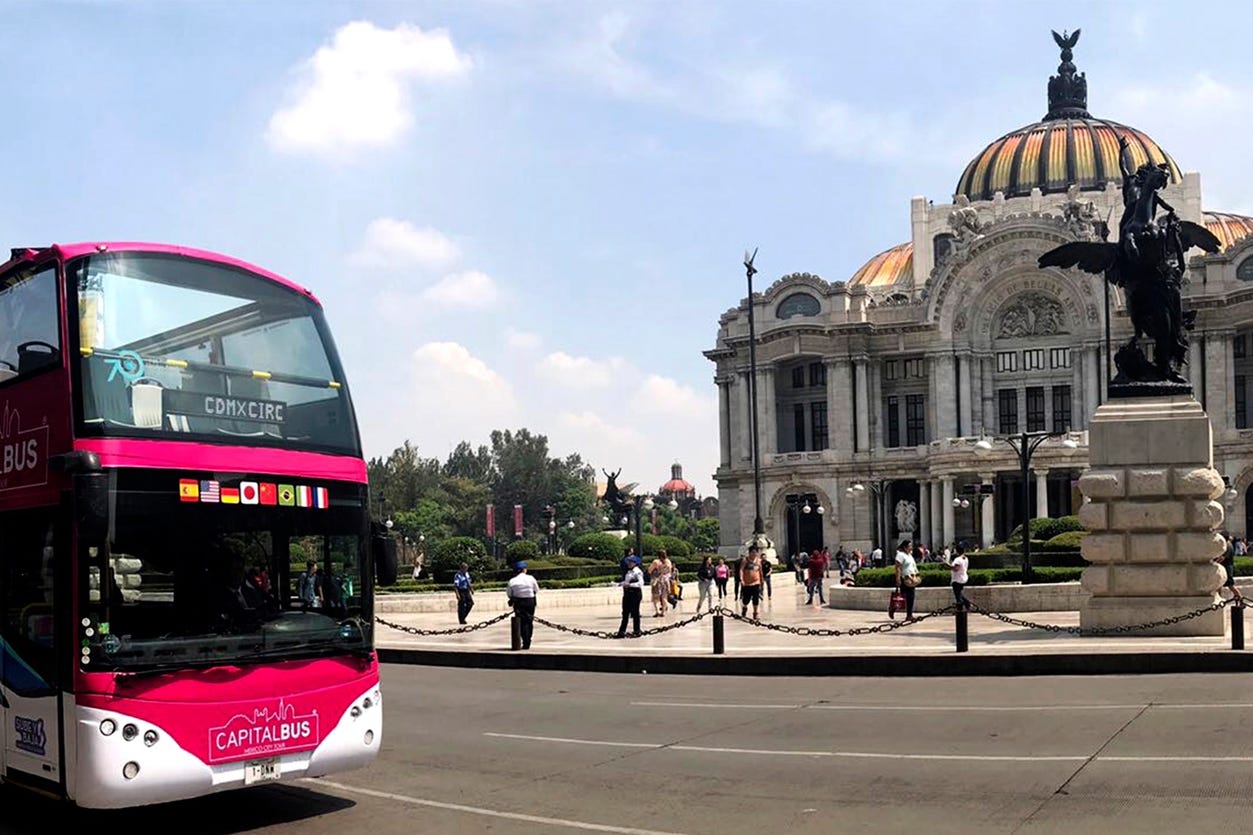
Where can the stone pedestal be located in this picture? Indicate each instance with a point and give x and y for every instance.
(1150, 508)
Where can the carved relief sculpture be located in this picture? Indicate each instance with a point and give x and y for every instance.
(1032, 314)
(906, 517)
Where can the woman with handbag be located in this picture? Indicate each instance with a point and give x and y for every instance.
(907, 576)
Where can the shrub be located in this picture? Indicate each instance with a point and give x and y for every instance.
(933, 575)
(450, 553)
(676, 548)
(1066, 541)
(1045, 528)
(522, 549)
(598, 546)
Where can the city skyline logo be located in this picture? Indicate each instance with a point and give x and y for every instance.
(264, 732)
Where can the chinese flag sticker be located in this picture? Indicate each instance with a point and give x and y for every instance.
(269, 493)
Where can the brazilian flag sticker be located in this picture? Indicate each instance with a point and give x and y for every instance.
(286, 495)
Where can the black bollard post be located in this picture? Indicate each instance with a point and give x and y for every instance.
(515, 632)
(1237, 625)
(719, 639)
(963, 637)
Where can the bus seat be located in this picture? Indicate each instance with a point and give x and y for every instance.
(7, 374)
(109, 396)
(146, 404)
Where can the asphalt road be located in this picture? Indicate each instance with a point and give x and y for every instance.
(478, 751)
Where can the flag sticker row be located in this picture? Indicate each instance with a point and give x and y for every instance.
(253, 492)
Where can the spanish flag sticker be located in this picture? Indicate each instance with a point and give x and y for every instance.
(188, 490)
(286, 495)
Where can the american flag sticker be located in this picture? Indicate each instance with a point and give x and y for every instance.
(321, 497)
(304, 496)
(188, 490)
(269, 493)
(210, 491)
(249, 492)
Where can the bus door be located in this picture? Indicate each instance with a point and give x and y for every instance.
(29, 702)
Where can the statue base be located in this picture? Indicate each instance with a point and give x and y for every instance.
(621, 534)
(1161, 388)
(1149, 506)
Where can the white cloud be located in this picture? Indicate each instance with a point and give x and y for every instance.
(597, 57)
(577, 372)
(355, 91)
(470, 288)
(457, 396)
(395, 244)
(659, 395)
(522, 340)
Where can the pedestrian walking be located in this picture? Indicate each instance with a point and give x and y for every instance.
(462, 586)
(704, 583)
(1229, 567)
(766, 569)
(632, 596)
(750, 581)
(721, 573)
(817, 574)
(521, 592)
(959, 565)
(907, 576)
(659, 572)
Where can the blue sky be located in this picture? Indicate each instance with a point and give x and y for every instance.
(533, 213)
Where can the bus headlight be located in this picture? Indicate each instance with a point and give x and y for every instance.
(130, 770)
(107, 727)
(369, 737)
(150, 737)
(129, 732)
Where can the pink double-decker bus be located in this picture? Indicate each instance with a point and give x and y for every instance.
(187, 561)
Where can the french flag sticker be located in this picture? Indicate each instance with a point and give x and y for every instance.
(321, 497)
(249, 492)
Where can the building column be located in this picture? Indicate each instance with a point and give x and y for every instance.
(1042, 494)
(839, 407)
(989, 396)
(1219, 381)
(862, 416)
(1092, 387)
(950, 522)
(1193, 371)
(988, 523)
(874, 370)
(945, 388)
(769, 441)
(724, 423)
(936, 533)
(744, 420)
(1078, 396)
(968, 407)
(924, 508)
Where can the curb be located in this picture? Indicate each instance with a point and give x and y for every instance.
(1114, 663)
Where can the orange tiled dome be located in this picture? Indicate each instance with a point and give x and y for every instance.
(888, 268)
(1228, 228)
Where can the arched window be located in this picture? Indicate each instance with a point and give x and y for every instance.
(941, 245)
(1244, 272)
(798, 304)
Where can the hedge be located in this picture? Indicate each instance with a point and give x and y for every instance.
(522, 549)
(1067, 541)
(1045, 528)
(1041, 556)
(939, 575)
(598, 546)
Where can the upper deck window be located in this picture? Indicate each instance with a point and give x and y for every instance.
(173, 346)
(29, 336)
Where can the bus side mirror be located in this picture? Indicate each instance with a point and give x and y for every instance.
(383, 548)
(91, 507)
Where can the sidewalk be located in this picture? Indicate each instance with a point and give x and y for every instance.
(926, 647)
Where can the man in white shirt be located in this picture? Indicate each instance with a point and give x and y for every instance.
(632, 595)
(961, 577)
(907, 576)
(521, 592)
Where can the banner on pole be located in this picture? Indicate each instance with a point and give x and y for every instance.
(491, 521)
(517, 520)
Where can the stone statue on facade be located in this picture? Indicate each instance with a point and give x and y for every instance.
(1148, 261)
(1080, 215)
(906, 517)
(965, 223)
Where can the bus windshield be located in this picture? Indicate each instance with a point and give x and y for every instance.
(172, 346)
(184, 584)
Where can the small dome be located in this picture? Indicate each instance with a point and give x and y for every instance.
(1228, 228)
(677, 485)
(888, 268)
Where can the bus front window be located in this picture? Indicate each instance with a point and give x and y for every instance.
(179, 347)
(203, 585)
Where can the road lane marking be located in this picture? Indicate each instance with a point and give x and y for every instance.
(838, 754)
(1176, 759)
(938, 708)
(491, 813)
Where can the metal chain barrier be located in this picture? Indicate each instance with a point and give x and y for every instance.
(460, 630)
(835, 633)
(613, 636)
(1100, 630)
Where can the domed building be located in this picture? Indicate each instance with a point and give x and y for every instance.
(874, 391)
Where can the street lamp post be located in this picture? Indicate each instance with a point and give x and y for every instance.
(1024, 445)
(879, 490)
(759, 529)
(636, 506)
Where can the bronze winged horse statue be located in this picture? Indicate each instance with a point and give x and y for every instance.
(1148, 263)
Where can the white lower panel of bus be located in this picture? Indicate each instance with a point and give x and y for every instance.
(112, 771)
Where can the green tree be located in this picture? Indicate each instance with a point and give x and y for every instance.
(471, 463)
(705, 538)
(400, 480)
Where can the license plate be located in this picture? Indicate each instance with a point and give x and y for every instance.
(258, 771)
